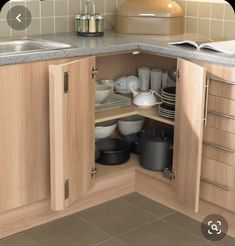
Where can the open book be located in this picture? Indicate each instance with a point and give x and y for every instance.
(227, 47)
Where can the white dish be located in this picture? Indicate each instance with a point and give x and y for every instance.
(130, 125)
(105, 130)
(101, 93)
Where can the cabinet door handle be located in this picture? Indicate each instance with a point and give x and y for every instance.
(205, 141)
(211, 77)
(224, 187)
(206, 101)
(222, 115)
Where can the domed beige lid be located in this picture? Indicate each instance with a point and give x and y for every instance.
(150, 8)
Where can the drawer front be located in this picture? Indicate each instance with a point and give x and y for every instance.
(218, 154)
(221, 89)
(221, 105)
(219, 138)
(220, 197)
(217, 183)
(217, 174)
(222, 123)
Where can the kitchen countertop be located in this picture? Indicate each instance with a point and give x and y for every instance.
(112, 42)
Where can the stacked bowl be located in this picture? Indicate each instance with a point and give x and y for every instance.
(167, 108)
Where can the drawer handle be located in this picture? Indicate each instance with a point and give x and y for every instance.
(222, 115)
(224, 187)
(206, 101)
(205, 141)
(221, 80)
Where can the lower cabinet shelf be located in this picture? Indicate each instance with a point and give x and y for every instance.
(104, 171)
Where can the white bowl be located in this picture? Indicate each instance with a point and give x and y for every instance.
(133, 82)
(124, 84)
(101, 93)
(105, 129)
(130, 125)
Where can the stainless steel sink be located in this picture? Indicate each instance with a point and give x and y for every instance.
(18, 46)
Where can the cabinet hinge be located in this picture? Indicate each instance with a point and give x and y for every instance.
(66, 82)
(93, 172)
(94, 71)
(169, 174)
(178, 75)
(66, 189)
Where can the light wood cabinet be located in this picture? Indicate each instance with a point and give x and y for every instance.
(71, 130)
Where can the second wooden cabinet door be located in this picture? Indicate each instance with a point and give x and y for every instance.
(189, 132)
(71, 130)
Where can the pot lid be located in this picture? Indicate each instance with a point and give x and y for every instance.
(150, 8)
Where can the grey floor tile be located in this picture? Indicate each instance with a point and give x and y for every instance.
(227, 241)
(69, 231)
(116, 216)
(160, 233)
(148, 204)
(22, 239)
(112, 242)
(185, 223)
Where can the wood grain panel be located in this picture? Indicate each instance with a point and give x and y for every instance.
(219, 137)
(222, 89)
(72, 117)
(221, 105)
(221, 123)
(190, 91)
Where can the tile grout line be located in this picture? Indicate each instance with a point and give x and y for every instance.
(147, 211)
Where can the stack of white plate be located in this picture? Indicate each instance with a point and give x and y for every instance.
(167, 108)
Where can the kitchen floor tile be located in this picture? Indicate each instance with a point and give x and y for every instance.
(227, 241)
(155, 208)
(185, 223)
(116, 216)
(22, 239)
(160, 233)
(71, 231)
(112, 242)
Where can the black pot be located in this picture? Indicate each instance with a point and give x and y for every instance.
(134, 141)
(155, 151)
(113, 151)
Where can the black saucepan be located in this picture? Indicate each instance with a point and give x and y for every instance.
(113, 151)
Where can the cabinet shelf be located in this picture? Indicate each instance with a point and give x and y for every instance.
(150, 113)
(104, 171)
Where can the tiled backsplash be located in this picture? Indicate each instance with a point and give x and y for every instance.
(215, 19)
(54, 16)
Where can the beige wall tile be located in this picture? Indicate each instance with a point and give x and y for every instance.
(61, 8)
(47, 8)
(47, 25)
(204, 26)
(192, 8)
(34, 27)
(204, 10)
(229, 30)
(111, 6)
(4, 29)
(61, 24)
(217, 11)
(74, 7)
(191, 25)
(33, 8)
(217, 28)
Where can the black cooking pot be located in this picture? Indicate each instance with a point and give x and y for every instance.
(134, 141)
(155, 151)
(113, 151)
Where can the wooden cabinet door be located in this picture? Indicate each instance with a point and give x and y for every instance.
(188, 137)
(72, 113)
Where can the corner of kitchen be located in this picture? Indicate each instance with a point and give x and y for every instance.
(117, 122)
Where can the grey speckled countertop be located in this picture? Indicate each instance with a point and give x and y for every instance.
(112, 42)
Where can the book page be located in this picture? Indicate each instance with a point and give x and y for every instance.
(227, 47)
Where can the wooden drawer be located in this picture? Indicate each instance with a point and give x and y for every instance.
(221, 105)
(222, 89)
(220, 139)
(218, 174)
(220, 122)
(218, 154)
(217, 184)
